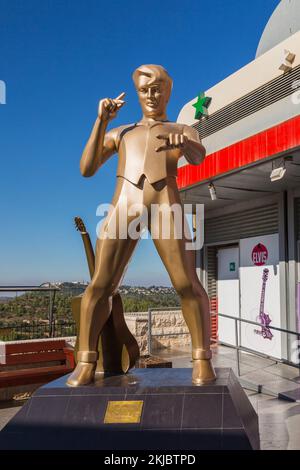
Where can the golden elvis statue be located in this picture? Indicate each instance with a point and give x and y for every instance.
(147, 168)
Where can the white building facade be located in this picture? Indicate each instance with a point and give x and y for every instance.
(250, 262)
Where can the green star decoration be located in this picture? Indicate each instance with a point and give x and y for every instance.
(201, 105)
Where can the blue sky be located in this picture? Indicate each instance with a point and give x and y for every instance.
(58, 58)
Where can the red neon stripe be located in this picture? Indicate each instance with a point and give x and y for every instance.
(275, 140)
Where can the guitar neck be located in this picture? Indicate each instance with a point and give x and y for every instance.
(263, 293)
(262, 299)
(89, 251)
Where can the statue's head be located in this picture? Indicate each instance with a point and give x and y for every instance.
(153, 85)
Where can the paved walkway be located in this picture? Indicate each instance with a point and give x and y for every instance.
(7, 411)
(279, 420)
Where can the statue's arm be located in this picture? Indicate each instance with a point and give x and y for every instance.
(193, 151)
(100, 146)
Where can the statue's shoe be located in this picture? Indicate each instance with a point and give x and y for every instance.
(203, 372)
(83, 374)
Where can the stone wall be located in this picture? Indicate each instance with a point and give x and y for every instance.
(137, 323)
(168, 330)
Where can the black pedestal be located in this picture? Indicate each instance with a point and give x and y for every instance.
(174, 414)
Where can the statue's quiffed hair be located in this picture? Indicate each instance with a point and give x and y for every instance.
(156, 73)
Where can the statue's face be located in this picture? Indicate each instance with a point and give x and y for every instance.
(153, 96)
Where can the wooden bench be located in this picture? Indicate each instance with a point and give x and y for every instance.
(34, 361)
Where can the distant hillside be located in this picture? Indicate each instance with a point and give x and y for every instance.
(140, 299)
(34, 306)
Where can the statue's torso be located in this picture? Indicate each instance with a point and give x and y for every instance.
(136, 145)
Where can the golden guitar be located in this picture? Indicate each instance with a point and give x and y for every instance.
(117, 347)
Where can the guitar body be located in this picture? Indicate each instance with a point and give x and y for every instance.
(117, 347)
(264, 320)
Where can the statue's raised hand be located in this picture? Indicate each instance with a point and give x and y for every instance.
(108, 108)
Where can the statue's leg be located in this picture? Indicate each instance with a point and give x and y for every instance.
(180, 265)
(112, 257)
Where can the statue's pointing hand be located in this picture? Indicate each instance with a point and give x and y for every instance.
(108, 108)
(172, 141)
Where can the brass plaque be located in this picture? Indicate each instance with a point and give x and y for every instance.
(123, 412)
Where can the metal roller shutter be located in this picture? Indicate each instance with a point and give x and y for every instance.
(250, 223)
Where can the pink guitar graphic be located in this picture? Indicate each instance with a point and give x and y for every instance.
(263, 318)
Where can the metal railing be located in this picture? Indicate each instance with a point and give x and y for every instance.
(237, 346)
(36, 330)
(49, 328)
